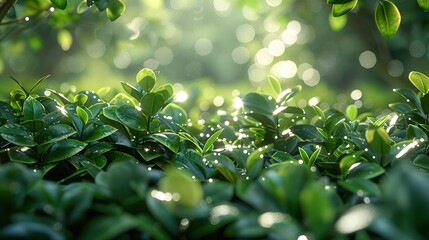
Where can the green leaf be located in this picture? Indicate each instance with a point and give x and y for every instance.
(378, 139)
(65, 39)
(411, 97)
(209, 143)
(33, 125)
(115, 9)
(180, 183)
(80, 99)
(287, 94)
(82, 7)
(337, 23)
(320, 112)
(146, 79)
(63, 150)
(304, 155)
(61, 4)
(257, 103)
(23, 155)
(32, 109)
(365, 170)
(387, 18)
(290, 110)
(338, 1)
(17, 135)
(320, 214)
(352, 112)
(55, 133)
(101, 4)
(255, 162)
(132, 118)
(224, 165)
(416, 132)
(341, 9)
(151, 103)
(99, 132)
(166, 91)
(422, 161)
(275, 84)
(425, 104)
(169, 140)
(132, 91)
(82, 114)
(123, 176)
(77, 199)
(401, 108)
(420, 81)
(360, 186)
(423, 4)
(314, 156)
(174, 115)
(37, 83)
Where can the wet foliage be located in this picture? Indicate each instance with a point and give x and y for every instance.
(88, 166)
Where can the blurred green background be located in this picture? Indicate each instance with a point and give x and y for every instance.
(214, 50)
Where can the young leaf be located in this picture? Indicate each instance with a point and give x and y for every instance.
(320, 112)
(314, 156)
(115, 9)
(61, 4)
(341, 9)
(423, 4)
(378, 139)
(211, 140)
(146, 79)
(387, 18)
(420, 81)
(352, 112)
(82, 114)
(38, 82)
(304, 155)
(32, 109)
(132, 91)
(337, 23)
(275, 84)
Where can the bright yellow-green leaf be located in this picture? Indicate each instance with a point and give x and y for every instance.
(387, 18)
(352, 112)
(337, 23)
(378, 139)
(65, 39)
(424, 4)
(115, 9)
(183, 189)
(275, 84)
(420, 81)
(341, 9)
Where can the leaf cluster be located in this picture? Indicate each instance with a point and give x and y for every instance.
(86, 166)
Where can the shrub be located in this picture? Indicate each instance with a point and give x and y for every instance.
(134, 166)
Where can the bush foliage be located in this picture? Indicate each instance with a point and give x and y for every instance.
(133, 166)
